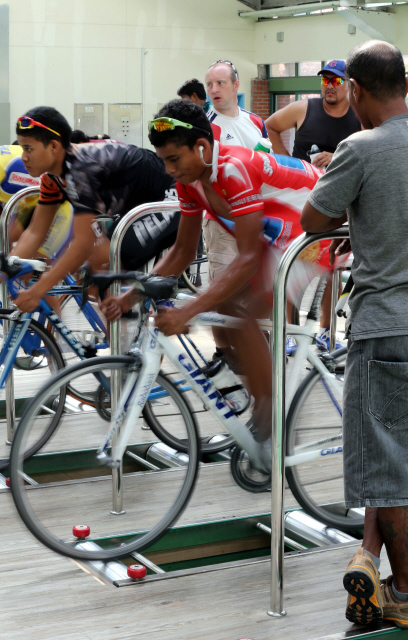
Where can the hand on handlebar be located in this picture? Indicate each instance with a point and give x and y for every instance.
(338, 247)
(113, 307)
(171, 321)
(27, 301)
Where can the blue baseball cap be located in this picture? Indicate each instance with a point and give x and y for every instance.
(335, 66)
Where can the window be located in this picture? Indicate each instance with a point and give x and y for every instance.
(282, 70)
(310, 68)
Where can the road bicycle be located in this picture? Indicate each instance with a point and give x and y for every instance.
(156, 497)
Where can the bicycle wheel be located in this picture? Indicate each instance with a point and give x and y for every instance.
(37, 361)
(153, 499)
(314, 424)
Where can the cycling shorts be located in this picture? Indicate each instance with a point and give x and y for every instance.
(147, 238)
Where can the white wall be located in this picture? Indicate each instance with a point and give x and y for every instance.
(67, 51)
(323, 37)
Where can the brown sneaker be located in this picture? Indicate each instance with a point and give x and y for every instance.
(362, 581)
(394, 610)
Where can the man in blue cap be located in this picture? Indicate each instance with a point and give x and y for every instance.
(323, 122)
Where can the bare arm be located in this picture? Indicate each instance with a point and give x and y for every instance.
(314, 221)
(33, 237)
(239, 273)
(282, 120)
(78, 251)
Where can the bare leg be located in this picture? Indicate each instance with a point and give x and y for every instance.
(372, 540)
(253, 354)
(393, 522)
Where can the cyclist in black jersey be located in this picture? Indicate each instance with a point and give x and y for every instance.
(97, 178)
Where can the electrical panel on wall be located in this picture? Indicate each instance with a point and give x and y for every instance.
(125, 123)
(89, 118)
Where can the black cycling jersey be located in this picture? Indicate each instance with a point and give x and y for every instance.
(107, 177)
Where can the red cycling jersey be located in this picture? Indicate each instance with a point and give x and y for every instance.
(255, 181)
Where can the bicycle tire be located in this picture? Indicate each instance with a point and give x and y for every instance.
(176, 443)
(303, 410)
(115, 545)
(58, 363)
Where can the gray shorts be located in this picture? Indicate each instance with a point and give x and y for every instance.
(375, 423)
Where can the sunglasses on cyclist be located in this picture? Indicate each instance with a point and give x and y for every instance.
(24, 122)
(335, 82)
(169, 124)
(226, 62)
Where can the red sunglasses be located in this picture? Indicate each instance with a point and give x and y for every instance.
(24, 122)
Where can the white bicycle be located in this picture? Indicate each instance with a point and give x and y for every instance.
(156, 497)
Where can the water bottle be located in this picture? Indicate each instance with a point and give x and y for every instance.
(264, 145)
(224, 379)
(314, 151)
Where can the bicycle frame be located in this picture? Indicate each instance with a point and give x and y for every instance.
(140, 382)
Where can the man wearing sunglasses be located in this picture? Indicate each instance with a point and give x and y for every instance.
(324, 121)
(96, 178)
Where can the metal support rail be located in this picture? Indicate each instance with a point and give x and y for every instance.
(115, 265)
(4, 246)
(278, 410)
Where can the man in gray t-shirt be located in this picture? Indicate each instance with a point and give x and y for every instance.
(367, 184)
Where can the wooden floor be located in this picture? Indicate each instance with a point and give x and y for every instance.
(46, 597)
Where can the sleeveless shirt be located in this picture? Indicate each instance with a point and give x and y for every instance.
(321, 129)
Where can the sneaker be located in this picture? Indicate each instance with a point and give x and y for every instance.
(323, 341)
(394, 610)
(362, 581)
(291, 345)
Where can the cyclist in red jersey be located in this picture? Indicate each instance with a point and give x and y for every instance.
(257, 197)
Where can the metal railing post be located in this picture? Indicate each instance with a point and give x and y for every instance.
(115, 265)
(333, 315)
(278, 411)
(4, 246)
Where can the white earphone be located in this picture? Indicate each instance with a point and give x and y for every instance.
(200, 151)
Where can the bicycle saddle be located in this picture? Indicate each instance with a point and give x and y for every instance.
(150, 285)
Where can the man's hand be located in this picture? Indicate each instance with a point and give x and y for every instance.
(322, 159)
(112, 307)
(28, 300)
(171, 321)
(338, 247)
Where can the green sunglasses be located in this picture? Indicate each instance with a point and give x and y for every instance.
(169, 124)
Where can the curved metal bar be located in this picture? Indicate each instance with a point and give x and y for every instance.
(115, 265)
(278, 410)
(4, 246)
